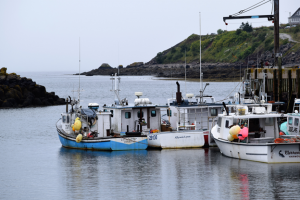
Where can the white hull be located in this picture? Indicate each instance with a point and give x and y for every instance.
(180, 139)
(264, 152)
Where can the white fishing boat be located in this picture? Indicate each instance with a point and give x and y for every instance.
(141, 116)
(259, 138)
(188, 120)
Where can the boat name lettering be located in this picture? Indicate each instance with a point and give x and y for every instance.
(291, 129)
(152, 137)
(179, 137)
(292, 152)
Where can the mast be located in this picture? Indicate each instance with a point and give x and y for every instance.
(79, 73)
(201, 84)
(185, 72)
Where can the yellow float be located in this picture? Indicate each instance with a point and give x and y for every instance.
(78, 138)
(77, 124)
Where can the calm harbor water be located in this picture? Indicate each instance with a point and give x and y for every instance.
(33, 165)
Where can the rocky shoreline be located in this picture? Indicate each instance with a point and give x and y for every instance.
(19, 92)
(211, 71)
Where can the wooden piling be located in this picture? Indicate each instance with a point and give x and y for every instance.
(279, 80)
(266, 81)
(290, 92)
(275, 85)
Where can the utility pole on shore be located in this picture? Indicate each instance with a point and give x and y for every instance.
(276, 47)
(275, 19)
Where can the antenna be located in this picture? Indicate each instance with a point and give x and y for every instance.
(118, 61)
(185, 72)
(79, 72)
(201, 85)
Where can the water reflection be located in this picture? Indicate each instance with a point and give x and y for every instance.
(173, 174)
(254, 180)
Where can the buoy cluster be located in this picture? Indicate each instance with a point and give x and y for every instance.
(76, 127)
(236, 132)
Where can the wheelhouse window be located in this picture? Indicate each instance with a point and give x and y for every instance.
(227, 124)
(169, 113)
(65, 118)
(219, 121)
(296, 122)
(127, 115)
(269, 121)
(213, 112)
(138, 114)
(290, 121)
(112, 113)
(153, 113)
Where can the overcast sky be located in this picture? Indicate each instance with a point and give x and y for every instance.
(43, 35)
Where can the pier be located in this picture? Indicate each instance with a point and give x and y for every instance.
(280, 85)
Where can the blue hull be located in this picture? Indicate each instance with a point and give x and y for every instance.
(105, 145)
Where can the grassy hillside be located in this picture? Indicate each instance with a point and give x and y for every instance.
(227, 46)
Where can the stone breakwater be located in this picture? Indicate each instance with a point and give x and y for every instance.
(16, 91)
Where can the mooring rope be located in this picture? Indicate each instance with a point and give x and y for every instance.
(229, 94)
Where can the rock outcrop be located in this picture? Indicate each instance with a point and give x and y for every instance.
(16, 91)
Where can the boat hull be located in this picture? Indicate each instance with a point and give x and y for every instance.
(265, 152)
(113, 144)
(174, 140)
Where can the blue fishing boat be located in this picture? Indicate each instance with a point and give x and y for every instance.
(90, 129)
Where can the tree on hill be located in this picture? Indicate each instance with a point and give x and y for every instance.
(246, 27)
(220, 31)
(159, 58)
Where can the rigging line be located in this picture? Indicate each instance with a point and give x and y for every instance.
(272, 2)
(229, 94)
(246, 10)
(241, 11)
(249, 7)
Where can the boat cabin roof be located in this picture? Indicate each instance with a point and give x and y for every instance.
(252, 116)
(132, 106)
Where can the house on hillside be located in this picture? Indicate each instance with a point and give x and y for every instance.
(295, 18)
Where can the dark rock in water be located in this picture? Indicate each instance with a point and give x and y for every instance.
(23, 92)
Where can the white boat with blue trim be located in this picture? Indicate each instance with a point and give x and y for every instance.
(94, 132)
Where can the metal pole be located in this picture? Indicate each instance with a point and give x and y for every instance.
(185, 72)
(276, 30)
(201, 85)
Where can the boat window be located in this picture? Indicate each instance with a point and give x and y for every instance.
(68, 120)
(153, 113)
(219, 121)
(213, 112)
(127, 115)
(296, 122)
(112, 113)
(290, 121)
(269, 122)
(169, 112)
(105, 110)
(235, 121)
(227, 124)
(64, 118)
(254, 125)
(138, 114)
